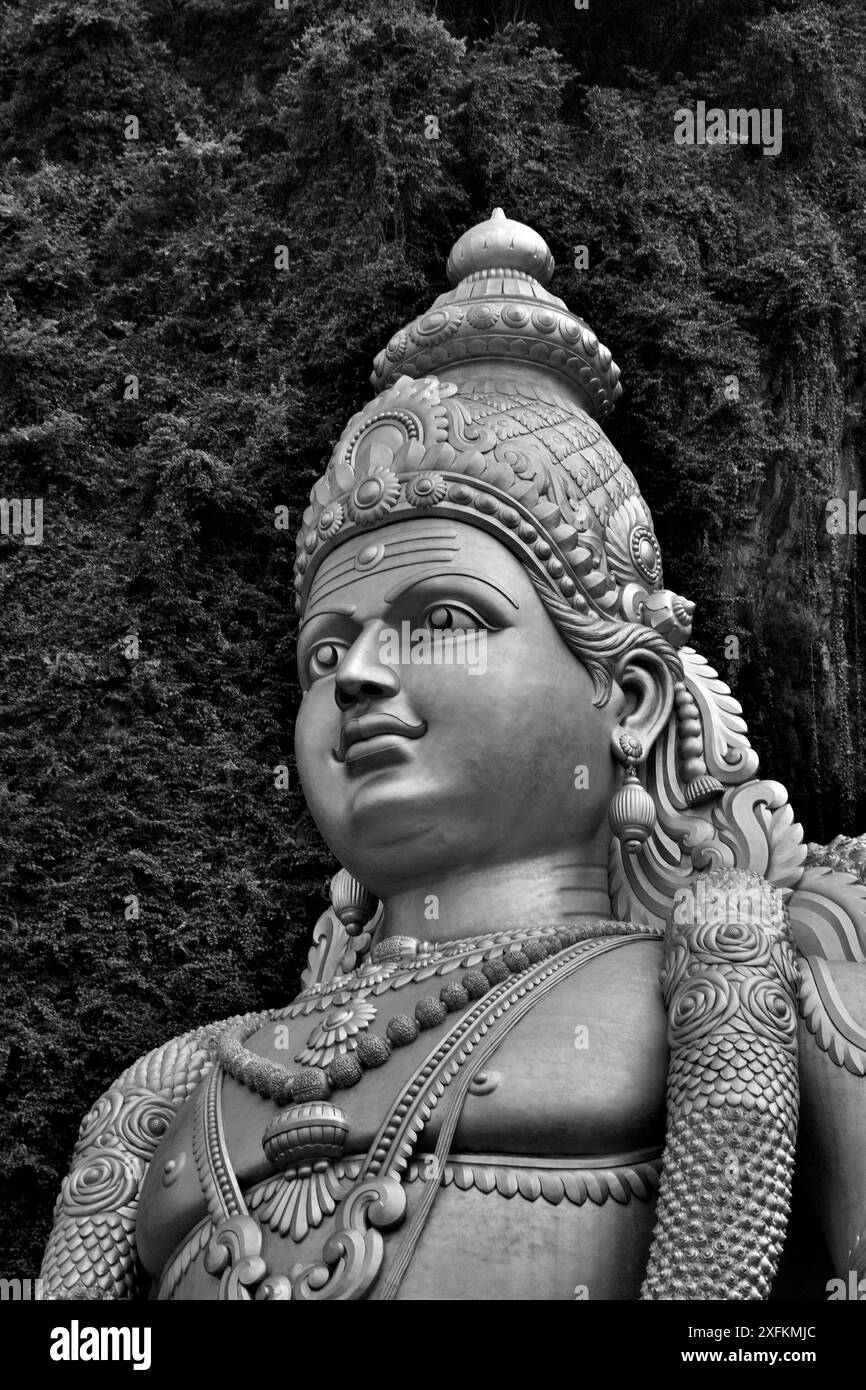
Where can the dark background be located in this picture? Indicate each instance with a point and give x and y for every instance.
(305, 127)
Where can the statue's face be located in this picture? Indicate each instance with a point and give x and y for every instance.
(444, 723)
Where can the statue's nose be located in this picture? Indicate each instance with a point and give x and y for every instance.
(362, 675)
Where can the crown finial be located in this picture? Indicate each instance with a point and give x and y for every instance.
(500, 313)
(500, 243)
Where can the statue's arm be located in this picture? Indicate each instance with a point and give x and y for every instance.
(91, 1252)
(833, 1118)
(730, 987)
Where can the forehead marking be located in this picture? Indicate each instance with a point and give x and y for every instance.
(398, 562)
(369, 557)
(336, 564)
(385, 557)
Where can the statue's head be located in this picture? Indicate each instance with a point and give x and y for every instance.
(485, 628)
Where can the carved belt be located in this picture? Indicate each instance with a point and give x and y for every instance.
(353, 1254)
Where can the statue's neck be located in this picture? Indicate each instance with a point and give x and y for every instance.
(550, 890)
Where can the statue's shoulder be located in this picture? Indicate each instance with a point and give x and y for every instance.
(832, 1005)
(828, 914)
(91, 1251)
(827, 903)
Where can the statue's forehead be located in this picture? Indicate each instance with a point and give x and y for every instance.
(419, 548)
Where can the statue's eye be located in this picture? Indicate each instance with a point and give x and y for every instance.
(452, 617)
(324, 659)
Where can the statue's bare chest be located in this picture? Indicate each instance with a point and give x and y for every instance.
(580, 1078)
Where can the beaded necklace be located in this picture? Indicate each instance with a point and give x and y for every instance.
(311, 1083)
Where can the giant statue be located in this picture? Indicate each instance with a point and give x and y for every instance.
(581, 1021)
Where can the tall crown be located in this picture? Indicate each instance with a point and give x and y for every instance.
(487, 414)
(500, 311)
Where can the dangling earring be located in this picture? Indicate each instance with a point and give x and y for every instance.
(354, 907)
(632, 812)
(353, 904)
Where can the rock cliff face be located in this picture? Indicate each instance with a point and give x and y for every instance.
(794, 592)
(190, 305)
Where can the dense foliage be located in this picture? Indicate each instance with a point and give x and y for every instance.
(166, 386)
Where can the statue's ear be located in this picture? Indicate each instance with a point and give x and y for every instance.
(648, 689)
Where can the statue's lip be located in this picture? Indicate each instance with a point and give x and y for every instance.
(366, 726)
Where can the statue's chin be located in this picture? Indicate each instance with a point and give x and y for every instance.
(380, 813)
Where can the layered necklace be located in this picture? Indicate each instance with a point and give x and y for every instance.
(394, 961)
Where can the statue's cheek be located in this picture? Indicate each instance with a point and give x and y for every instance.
(316, 735)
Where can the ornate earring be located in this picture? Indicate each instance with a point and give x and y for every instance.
(354, 906)
(632, 811)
